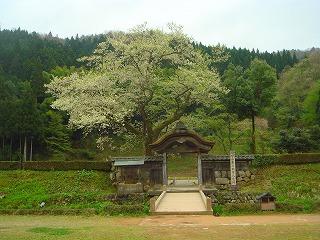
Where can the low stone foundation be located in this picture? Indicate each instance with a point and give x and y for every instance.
(225, 197)
(129, 188)
(222, 178)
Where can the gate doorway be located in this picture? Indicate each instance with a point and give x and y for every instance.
(182, 169)
(181, 142)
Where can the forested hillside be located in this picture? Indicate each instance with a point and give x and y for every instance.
(243, 120)
(243, 57)
(27, 61)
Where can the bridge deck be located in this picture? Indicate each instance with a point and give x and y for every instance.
(182, 203)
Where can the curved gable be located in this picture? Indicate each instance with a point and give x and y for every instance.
(181, 140)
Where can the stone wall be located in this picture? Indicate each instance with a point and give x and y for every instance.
(223, 177)
(225, 197)
(218, 172)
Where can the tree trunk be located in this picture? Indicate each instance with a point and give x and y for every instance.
(3, 150)
(253, 136)
(30, 159)
(20, 147)
(147, 141)
(10, 157)
(25, 149)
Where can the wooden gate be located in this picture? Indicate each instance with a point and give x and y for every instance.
(155, 176)
(208, 176)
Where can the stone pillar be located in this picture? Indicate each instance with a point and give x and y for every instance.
(199, 170)
(164, 170)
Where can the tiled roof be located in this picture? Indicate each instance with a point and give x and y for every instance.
(226, 157)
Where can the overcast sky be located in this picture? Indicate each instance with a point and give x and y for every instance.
(266, 25)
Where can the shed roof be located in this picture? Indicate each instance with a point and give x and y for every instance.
(265, 195)
(128, 163)
(181, 140)
(134, 161)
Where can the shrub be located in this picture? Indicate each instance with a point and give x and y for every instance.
(217, 209)
(57, 165)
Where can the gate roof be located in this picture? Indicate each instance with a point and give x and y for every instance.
(181, 140)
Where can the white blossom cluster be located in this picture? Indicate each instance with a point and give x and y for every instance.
(146, 72)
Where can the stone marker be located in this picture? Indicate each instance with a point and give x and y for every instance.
(233, 173)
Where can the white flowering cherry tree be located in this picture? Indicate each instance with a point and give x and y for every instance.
(140, 81)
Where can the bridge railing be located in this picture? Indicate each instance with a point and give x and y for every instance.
(155, 201)
(206, 201)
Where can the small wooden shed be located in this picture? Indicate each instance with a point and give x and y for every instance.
(267, 201)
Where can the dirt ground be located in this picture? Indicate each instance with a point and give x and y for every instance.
(207, 221)
(160, 227)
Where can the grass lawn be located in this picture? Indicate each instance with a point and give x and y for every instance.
(58, 189)
(172, 227)
(297, 187)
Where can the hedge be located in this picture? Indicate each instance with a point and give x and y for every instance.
(259, 161)
(56, 165)
(285, 159)
(9, 165)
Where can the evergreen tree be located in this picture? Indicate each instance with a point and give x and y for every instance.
(56, 134)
